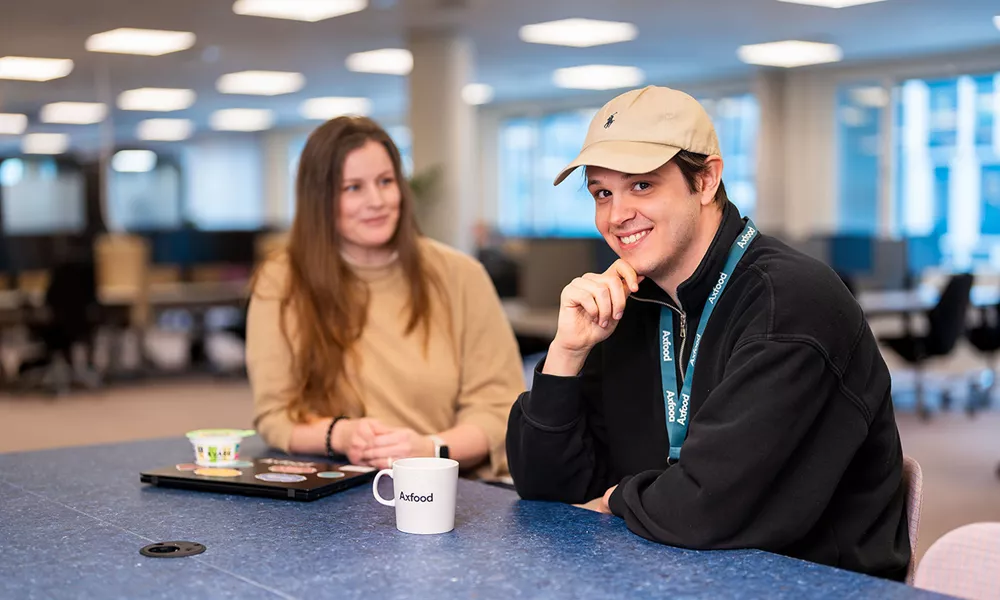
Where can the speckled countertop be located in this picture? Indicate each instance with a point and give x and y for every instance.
(72, 522)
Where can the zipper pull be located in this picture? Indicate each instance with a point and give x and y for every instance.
(684, 326)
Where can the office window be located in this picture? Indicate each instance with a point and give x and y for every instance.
(42, 196)
(145, 200)
(532, 150)
(948, 167)
(224, 184)
(860, 110)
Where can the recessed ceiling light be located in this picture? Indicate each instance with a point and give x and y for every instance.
(45, 143)
(133, 161)
(164, 130)
(26, 68)
(242, 119)
(11, 124)
(73, 113)
(832, 3)
(298, 10)
(598, 77)
(996, 21)
(579, 33)
(144, 42)
(156, 99)
(870, 96)
(322, 109)
(261, 83)
(790, 53)
(387, 61)
(477, 93)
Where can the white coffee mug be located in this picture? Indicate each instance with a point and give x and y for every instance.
(423, 494)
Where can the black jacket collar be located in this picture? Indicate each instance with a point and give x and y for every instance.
(694, 291)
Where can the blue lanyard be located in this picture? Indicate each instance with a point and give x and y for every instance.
(678, 417)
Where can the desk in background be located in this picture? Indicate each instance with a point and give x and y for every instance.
(74, 520)
(542, 322)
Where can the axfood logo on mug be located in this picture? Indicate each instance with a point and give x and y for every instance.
(416, 498)
(426, 498)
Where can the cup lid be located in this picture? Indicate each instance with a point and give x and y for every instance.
(203, 433)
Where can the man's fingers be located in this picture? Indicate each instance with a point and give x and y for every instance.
(601, 294)
(618, 290)
(624, 271)
(581, 297)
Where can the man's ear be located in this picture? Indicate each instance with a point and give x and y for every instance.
(711, 178)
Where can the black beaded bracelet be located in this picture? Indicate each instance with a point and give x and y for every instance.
(329, 434)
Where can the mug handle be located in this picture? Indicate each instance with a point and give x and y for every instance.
(375, 488)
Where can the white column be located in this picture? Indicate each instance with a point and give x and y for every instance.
(810, 154)
(964, 194)
(918, 180)
(443, 130)
(769, 88)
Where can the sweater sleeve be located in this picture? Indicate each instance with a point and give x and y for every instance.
(556, 440)
(760, 453)
(269, 359)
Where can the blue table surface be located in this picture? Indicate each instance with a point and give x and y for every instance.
(72, 522)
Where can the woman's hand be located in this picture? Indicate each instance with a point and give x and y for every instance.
(396, 444)
(354, 437)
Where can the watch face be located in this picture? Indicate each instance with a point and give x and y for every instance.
(443, 452)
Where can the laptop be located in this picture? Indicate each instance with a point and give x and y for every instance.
(269, 477)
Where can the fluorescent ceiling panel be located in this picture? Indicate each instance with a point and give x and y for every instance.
(387, 61)
(45, 143)
(12, 124)
(323, 109)
(261, 83)
(164, 130)
(133, 161)
(73, 113)
(27, 68)
(143, 42)
(789, 53)
(832, 3)
(578, 33)
(299, 10)
(156, 99)
(477, 93)
(242, 119)
(598, 77)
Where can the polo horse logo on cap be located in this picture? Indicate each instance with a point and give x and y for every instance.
(610, 120)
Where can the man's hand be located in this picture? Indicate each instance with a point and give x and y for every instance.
(590, 309)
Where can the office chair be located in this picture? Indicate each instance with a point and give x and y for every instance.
(946, 327)
(964, 563)
(73, 318)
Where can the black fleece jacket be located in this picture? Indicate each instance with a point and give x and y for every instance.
(792, 445)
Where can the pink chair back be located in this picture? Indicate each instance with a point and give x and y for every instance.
(913, 479)
(964, 562)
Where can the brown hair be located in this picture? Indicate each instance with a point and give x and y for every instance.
(328, 300)
(692, 167)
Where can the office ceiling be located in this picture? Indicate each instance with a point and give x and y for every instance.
(679, 40)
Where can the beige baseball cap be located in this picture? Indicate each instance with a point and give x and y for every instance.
(639, 131)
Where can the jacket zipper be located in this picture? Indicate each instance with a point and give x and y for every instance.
(679, 309)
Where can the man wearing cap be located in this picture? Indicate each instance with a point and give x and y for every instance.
(783, 438)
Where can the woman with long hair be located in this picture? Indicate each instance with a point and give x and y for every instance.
(366, 339)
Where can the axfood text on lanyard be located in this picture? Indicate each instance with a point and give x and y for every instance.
(677, 405)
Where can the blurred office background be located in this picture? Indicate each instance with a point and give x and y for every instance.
(148, 155)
